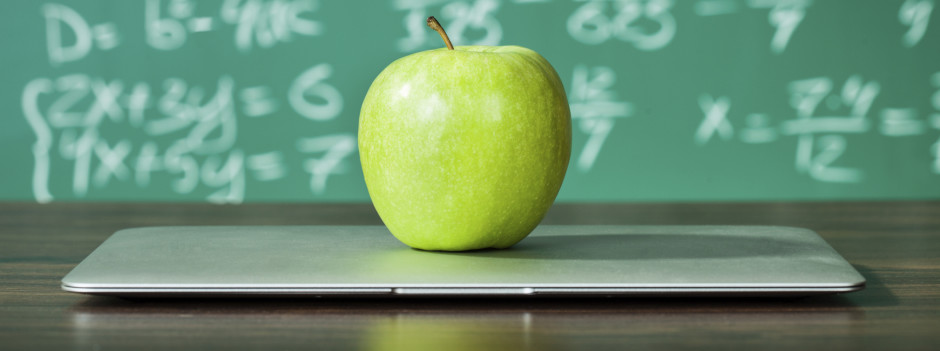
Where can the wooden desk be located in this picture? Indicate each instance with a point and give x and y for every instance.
(896, 245)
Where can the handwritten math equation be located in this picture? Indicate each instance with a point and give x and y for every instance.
(168, 24)
(190, 133)
(102, 131)
(826, 111)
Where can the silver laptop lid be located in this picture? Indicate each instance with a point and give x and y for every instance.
(552, 261)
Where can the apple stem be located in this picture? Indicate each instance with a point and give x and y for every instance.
(435, 25)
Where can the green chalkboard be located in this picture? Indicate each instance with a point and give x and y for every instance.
(258, 100)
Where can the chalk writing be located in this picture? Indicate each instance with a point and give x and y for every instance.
(824, 116)
(311, 83)
(459, 17)
(595, 107)
(916, 15)
(590, 24)
(61, 19)
(201, 126)
(784, 15)
(257, 22)
(232, 100)
(715, 121)
(333, 149)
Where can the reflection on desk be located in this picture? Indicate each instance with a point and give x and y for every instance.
(441, 324)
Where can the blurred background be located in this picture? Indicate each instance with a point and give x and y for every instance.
(234, 101)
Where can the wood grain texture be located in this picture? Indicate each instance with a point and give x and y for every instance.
(896, 245)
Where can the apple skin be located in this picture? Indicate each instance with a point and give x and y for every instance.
(465, 149)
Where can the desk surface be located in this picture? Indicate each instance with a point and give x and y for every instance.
(895, 245)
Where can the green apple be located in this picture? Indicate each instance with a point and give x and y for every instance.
(465, 148)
